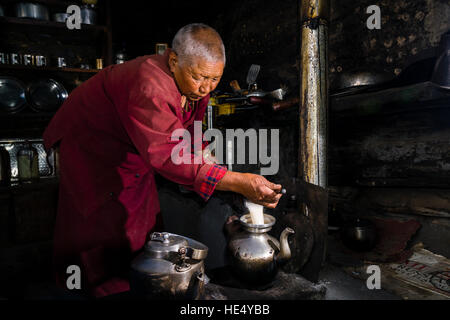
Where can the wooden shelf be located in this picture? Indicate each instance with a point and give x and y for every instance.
(53, 24)
(46, 2)
(53, 69)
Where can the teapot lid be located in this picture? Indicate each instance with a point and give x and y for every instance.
(165, 242)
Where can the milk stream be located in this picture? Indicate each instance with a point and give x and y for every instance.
(256, 212)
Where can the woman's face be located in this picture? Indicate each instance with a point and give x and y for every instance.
(196, 78)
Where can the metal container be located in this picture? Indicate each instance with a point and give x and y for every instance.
(12, 95)
(28, 59)
(170, 267)
(60, 17)
(359, 235)
(40, 61)
(46, 95)
(254, 254)
(88, 15)
(31, 10)
(4, 58)
(28, 164)
(15, 58)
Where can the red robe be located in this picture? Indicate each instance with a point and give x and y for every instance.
(114, 133)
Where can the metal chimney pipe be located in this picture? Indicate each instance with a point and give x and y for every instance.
(314, 91)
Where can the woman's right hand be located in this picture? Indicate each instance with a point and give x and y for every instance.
(254, 187)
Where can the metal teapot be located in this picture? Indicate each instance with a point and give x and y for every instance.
(170, 267)
(254, 254)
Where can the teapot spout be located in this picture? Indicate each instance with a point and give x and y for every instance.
(285, 251)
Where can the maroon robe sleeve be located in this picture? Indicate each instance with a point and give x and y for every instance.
(150, 121)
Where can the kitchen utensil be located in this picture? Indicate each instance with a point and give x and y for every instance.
(28, 59)
(278, 94)
(40, 61)
(28, 164)
(46, 95)
(170, 267)
(15, 58)
(99, 63)
(4, 58)
(5, 167)
(12, 95)
(120, 57)
(61, 62)
(254, 254)
(252, 75)
(60, 17)
(359, 234)
(31, 10)
(88, 15)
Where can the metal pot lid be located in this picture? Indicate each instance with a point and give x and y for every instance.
(46, 95)
(165, 242)
(12, 95)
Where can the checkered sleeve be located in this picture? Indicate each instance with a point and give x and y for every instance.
(212, 177)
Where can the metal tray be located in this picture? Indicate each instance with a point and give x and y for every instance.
(46, 95)
(12, 95)
(46, 170)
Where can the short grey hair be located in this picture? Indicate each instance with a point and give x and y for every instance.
(187, 45)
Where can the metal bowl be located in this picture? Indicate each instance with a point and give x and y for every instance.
(31, 10)
(60, 17)
(359, 235)
(12, 95)
(46, 95)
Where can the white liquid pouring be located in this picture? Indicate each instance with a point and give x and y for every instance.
(256, 212)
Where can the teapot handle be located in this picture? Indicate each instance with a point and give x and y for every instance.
(196, 250)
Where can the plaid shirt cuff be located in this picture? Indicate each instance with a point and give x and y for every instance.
(207, 185)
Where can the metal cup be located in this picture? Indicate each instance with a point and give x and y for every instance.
(41, 61)
(28, 59)
(4, 58)
(99, 63)
(61, 62)
(15, 58)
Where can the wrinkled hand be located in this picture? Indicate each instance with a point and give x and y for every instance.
(259, 190)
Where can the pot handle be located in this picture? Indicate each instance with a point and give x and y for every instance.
(196, 250)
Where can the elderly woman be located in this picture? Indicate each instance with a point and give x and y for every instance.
(114, 134)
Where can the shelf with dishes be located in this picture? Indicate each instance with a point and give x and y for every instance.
(42, 96)
(51, 24)
(46, 68)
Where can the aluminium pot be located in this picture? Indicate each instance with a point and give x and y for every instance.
(88, 15)
(60, 17)
(31, 10)
(170, 267)
(359, 235)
